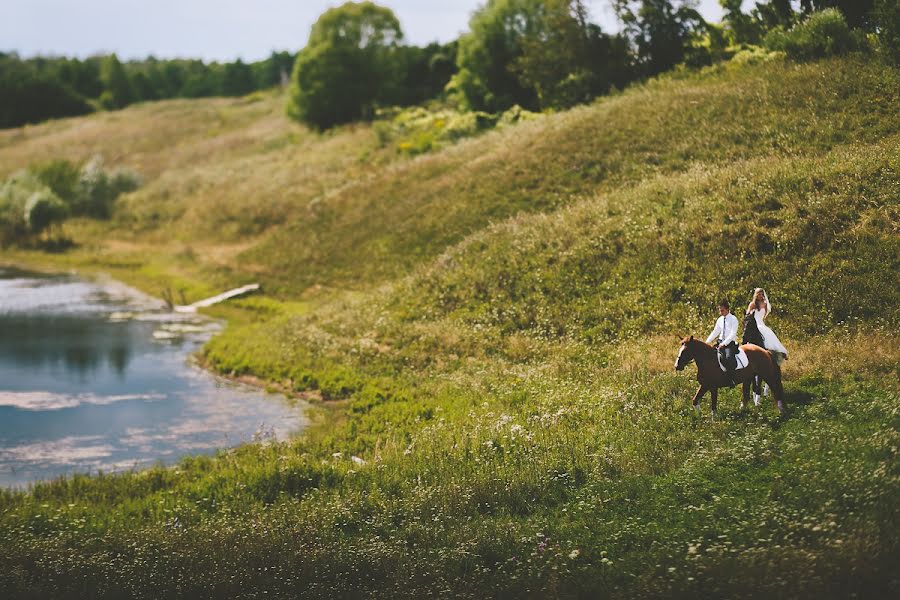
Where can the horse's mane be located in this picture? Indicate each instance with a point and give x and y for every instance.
(701, 346)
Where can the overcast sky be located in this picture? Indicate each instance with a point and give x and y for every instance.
(218, 29)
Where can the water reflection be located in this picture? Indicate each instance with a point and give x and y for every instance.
(95, 376)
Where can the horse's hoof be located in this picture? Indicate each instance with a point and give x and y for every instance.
(696, 408)
(756, 399)
(714, 415)
(780, 408)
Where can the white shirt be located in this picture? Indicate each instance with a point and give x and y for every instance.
(726, 330)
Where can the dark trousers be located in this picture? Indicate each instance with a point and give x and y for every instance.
(729, 357)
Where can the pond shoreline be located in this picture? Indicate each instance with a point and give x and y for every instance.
(58, 414)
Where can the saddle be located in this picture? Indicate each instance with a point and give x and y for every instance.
(741, 357)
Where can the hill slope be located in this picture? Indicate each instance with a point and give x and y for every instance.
(497, 321)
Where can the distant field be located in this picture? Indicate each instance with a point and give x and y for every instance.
(490, 329)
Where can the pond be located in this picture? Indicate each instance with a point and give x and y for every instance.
(95, 376)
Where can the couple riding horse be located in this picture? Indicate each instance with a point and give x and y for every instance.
(759, 356)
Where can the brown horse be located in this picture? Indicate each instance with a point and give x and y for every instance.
(711, 377)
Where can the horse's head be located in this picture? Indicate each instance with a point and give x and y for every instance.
(685, 354)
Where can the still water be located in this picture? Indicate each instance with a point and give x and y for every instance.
(97, 377)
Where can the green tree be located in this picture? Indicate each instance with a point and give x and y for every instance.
(237, 79)
(660, 31)
(348, 66)
(118, 91)
(887, 24)
(274, 70)
(486, 79)
(823, 33)
(566, 59)
(425, 72)
(742, 28)
(28, 95)
(857, 13)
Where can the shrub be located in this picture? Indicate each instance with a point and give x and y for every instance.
(824, 33)
(27, 206)
(419, 130)
(97, 189)
(43, 209)
(61, 176)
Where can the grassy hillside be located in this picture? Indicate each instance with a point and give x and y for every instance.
(491, 328)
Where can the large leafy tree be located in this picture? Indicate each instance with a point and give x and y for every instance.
(347, 67)
(566, 59)
(535, 53)
(486, 79)
(660, 31)
(742, 27)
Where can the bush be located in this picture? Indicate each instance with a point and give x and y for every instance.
(27, 206)
(43, 209)
(47, 193)
(97, 189)
(824, 33)
(419, 130)
(61, 176)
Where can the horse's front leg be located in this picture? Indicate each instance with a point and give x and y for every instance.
(697, 396)
(745, 393)
(714, 406)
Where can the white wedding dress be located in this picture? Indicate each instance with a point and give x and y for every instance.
(769, 338)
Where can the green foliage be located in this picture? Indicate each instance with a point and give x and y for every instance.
(347, 67)
(425, 73)
(485, 80)
(30, 96)
(43, 209)
(661, 32)
(118, 91)
(565, 60)
(237, 79)
(743, 28)
(822, 34)
(418, 130)
(536, 54)
(14, 195)
(60, 175)
(98, 189)
(33, 200)
(497, 322)
(857, 13)
(887, 20)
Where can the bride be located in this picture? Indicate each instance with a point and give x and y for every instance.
(760, 307)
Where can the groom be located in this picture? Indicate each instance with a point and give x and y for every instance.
(724, 335)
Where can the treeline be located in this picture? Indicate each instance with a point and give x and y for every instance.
(40, 88)
(535, 54)
(548, 54)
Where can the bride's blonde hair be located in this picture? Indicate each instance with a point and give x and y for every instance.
(756, 293)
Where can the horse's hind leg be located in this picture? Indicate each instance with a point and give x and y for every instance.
(696, 401)
(777, 392)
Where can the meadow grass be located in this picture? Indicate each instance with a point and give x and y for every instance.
(491, 329)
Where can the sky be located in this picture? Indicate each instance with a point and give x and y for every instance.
(220, 30)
